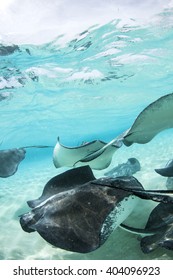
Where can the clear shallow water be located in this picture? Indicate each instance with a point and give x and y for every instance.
(92, 88)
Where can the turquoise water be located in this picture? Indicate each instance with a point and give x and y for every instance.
(91, 88)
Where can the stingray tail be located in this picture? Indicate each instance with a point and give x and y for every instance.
(117, 142)
(165, 196)
(139, 231)
(91, 156)
(37, 147)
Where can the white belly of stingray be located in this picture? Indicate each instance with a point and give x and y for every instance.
(122, 210)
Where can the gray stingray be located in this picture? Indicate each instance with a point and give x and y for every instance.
(155, 118)
(159, 228)
(78, 212)
(77, 215)
(75, 156)
(167, 171)
(125, 169)
(11, 158)
(160, 221)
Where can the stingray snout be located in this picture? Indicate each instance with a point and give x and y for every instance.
(27, 221)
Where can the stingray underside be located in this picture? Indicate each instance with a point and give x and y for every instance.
(82, 155)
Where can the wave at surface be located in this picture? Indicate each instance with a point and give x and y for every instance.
(85, 82)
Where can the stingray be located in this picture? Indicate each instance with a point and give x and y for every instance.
(75, 156)
(155, 118)
(125, 169)
(160, 220)
(78, 212)
(167, 171)
(11, 158)
(158, 230)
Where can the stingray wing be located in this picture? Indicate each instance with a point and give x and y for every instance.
(150, 243)
(63, 182)
(152, 120)
(10, 160)
(164, 239)
(167, 171)
(161, 221)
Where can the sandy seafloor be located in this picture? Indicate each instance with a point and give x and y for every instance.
(28, 183)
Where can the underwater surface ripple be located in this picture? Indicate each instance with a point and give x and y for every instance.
(91, 88)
